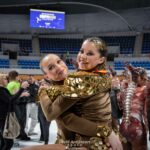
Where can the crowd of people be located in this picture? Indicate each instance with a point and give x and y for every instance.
(94, 107)
(23, 97)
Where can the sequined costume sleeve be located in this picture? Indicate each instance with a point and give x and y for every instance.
(53, 104)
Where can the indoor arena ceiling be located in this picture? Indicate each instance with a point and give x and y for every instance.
(69, 6)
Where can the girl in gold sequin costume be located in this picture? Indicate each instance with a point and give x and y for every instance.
(82, 104)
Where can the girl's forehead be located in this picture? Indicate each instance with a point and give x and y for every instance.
(88, 46)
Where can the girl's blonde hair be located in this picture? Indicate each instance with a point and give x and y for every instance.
(2, 76)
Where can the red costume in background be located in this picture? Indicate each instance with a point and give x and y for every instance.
(133, 100)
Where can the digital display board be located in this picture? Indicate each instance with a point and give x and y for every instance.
(47, 19)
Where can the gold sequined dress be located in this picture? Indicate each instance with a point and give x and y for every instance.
(83, 97)
(91, 93)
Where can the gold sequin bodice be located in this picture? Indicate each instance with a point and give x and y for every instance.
(83, 84)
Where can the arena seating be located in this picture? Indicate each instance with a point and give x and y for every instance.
(28, 64)
(4, 63)
(126, 43)
(24, 44)
(55, 45)
(119, 65)
(62, 46)
(146, 43)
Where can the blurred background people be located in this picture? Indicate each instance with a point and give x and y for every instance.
(44, 124)
(20, 106)
(31, 107)
(5, 99)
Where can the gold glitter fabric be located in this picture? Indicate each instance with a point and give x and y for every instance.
(92, 143)
(97, 143)
(54, 91)
(103, 131)
(83, 84)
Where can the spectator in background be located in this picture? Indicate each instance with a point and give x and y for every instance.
(67, 58)
(133, 101)
(24, 52)
(74, 63)
(148, 105)
(44, 124)
(63, 57)
(115, 89)
(31, 108)
(14, 85)
(20, 106)
(5, 99)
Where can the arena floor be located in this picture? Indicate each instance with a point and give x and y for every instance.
(35, 138)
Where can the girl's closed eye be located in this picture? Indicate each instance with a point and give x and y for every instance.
(59, 61)
(50, 67)
(81, 51)
(90, 53)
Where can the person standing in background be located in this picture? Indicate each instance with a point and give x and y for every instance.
(5, 99)
(31, 107)
(133, 103)
(20, 106)
(115, 89)
(148, 105)
(14, 85)
(44, 124)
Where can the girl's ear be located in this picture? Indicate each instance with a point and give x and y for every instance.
(102, 60)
